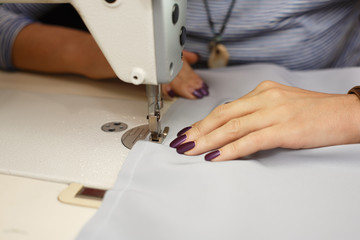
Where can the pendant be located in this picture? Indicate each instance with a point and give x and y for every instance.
(219, 55)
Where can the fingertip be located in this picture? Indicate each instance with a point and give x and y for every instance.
(178, 141)
(204, 89)
(181, 149)
(205, 86)
(198, 94)
(204, 92)
(171, 93)
(183, 131)
(190, 96)
(185, 92)
(212, 155)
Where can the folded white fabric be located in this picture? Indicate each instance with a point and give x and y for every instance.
(276, 194)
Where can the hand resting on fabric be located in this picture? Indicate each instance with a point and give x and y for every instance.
(271, 116)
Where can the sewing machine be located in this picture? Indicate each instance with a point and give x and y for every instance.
(141, 39)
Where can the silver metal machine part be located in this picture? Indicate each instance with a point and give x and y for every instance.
(114, 127)
(169, 17)
(170, 34)
(155, 103)
(130, 137)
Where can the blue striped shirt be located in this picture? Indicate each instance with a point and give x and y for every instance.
(297, 34)
(13, 18)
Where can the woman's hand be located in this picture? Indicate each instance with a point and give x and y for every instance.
(271, 116)
(187, 83)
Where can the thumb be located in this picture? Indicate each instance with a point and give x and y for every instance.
(190, 57)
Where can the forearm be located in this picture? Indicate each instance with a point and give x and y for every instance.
(53, 49)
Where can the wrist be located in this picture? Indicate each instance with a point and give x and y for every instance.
(355, 90)
(354, 94)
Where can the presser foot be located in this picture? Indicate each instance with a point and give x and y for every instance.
(159, 137)
(130, 137)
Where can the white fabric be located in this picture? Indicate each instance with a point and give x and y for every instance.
(276, 194)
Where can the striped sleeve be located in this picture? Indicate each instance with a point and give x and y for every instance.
(13, 18)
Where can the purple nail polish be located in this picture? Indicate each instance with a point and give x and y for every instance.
(185, 147)
(177, 141)
(204, 91)
(171, 93)
(197, 94)
(205, 86)
(210, 156)
(184, 130)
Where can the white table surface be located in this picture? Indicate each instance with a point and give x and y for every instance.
(30, 208)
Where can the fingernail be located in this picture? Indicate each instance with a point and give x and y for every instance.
(210, 156)
(185, 147)
(204, 91)
(205, 86)
(184, 130)
(197, 94)
(177, 141)
(171, 93)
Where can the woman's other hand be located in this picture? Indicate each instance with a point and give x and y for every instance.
(187, 83)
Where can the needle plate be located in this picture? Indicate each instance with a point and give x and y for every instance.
(130, 137)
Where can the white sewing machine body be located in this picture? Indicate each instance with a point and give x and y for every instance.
(142, 40)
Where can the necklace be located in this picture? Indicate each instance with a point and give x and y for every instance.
(219, 55)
